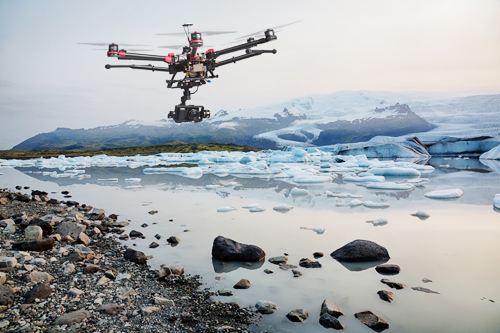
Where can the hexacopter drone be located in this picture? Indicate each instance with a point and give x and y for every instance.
(198, 67)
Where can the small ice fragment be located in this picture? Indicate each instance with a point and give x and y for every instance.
(319, 231)
(298, 192)
(282, 208)
(212, 186)
(225, 209)
(355, 203)
(250, 206)
(312, 179)
(421, 215)
(375, 204)
(111, 180)
(452, 193)
(256, 209)
(378, 222)
(133, 180)
(330, 194)
(496, 201)
(358, 179)
(395, 172)
(389, 186)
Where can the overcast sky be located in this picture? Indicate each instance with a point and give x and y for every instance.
(47, 80)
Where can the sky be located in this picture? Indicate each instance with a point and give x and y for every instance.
(48, 80)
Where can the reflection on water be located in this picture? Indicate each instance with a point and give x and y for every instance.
(457, 247)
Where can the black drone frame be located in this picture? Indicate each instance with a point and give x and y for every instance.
(179, 64)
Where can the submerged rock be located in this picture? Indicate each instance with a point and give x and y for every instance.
(392, 284)
(372, 321)
(135, 256)
(297, 315)
(226, 249)
(308, 263)
(242, 284)
(388, 269)
(266, 307)
(328, 321)
(330, 308)
(278, 260)
(361, 251)
(425, 290)
(386, 295)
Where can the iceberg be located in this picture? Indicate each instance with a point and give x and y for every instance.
(493, 154)
(452, 193)
(355, 203)
(256, 209)
(367, 178)
(496, 201)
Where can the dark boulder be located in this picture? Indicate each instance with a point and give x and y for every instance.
(392, 284)
(297, 315)
(136, 256)
(45, 225)
(372, 321)
(328, 321)
(38, 245)
(229, 250)
(41, 290)
(386, 295)
(388, 269)
(136, 234)
(361, 251)
(7, 295)
(308, 263)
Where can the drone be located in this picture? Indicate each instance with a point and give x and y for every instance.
(197, 67)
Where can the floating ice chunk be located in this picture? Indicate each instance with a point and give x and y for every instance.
(298, 192)
(452, 193)
(367, 178)
(319, 231)
(378, 222)
(133, 180)
(355, 203)
(249, 206)
(129, 187)
(493, 154)
(110, 180)
(395, 172)
(418, 181)
(389, 186)
(311, 179)
(282, 208)
(256, 209)
(194, 172)
(330, 194)
(496, 201)
(375, 204)
(212, 186)
(421, 215)
(247, 159)
(225, 209)
(231, 184)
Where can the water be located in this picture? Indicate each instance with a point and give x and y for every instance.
(457, 247)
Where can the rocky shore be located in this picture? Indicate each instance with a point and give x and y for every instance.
(63, 269)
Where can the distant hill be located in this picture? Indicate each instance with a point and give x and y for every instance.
(310, 121)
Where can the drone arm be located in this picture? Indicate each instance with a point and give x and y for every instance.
(269, 36)
(143, 67)
(249, 54)
(124, 55)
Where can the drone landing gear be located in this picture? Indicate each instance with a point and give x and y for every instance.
(188, 113)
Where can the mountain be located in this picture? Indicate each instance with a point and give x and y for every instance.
(341, 117)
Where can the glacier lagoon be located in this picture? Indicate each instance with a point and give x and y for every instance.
(319, 208)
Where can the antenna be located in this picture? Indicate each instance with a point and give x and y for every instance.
(186, 26)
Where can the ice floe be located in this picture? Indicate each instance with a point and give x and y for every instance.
(493, 154)
(375, 204)
(395, 172)
(282, 208)
(298, 192)
(256, 209)
(452, 193)
(389, 186)
(225, 209)
(319, 231)
(421, 215)
(377, 222)
(496, 201)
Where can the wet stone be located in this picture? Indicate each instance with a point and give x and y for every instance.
(297, 315)
(392, 284)
(242, 284)
(328, 321)
(388, 269)
(386, 295)
(372, 321)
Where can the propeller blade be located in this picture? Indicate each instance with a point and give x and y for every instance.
(106, 44)
(175, 46)
(206, 32)
(263, 30)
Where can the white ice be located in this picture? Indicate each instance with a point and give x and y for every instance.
(395, 171)
(493, 154)
(282, 208)
(298, 192)
(355, 203)
(421, 215)
(256, 209)
(496, 201)
(319, 231)
(378, 222)
(225, 209)
(389, 186)
(452, 193)
(375, 204)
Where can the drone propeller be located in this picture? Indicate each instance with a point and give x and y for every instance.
(106, 44)
(206, 33)
(174, 46)
(132, 50)
(276, 28)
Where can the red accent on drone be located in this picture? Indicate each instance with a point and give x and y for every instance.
(210, 51)
(168, 59)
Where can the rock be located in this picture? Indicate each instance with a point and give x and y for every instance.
(266, 307)
(73, 317)
(331, 308)
(242, 284)
(147, 310)
(96, 214)
(46, 225)
(39, 245)
(135, 256)
(152, 212)
(153, 245)
(112, 308)
(170, 270)
(83, 239)
(75, 292)
(33, 233)
(7, 263)
(9, 226)
(41, 290)
(388, 269)
(69, 269)
(157, 236)
(163, 301)
(226, 249)
(297, 315)
(318, 255)
(328, 321)
(278, 260)
(37, 276)
(361, 251)
(372, 321)
(110, 274)
(64, 192)
(225, 292)
(296, 273)
(71, 229)
(286, 267)
(392, 284)
(3, 278)
(173, 240)
(103, 281)
(144, 225)
(386, 295)
(7, 295)
(426, 280)
(308, 263)
(136, 234)
(268, 271)
(83, 252)
(425, 290)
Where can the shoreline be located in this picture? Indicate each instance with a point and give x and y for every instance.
(80, 279)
